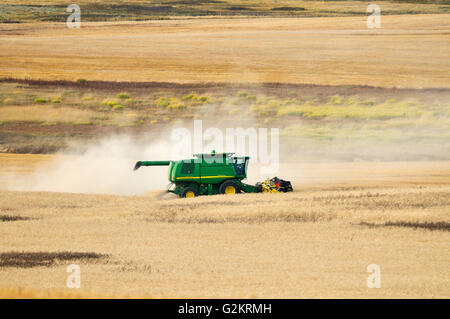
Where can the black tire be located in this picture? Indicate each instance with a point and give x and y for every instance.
(189, 190)
(226, 185)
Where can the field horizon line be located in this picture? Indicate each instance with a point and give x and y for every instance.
(96, 84)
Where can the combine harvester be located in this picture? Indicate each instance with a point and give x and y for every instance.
(211, 174)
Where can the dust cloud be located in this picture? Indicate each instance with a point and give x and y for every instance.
(103, 167)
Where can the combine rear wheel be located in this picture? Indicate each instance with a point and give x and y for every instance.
(229, 188)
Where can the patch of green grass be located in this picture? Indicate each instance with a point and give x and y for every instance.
(176, 104)
(337, 100)
(100, 118)
(123, 96)
(172, 103)
(189, 97)
(234, 111)
(109, 102)
(40, 100)
(340, 108)
(162, 102)
(195, 99)
(366, 103)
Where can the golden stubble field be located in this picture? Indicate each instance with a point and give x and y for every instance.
(315, 242)
(408, 51)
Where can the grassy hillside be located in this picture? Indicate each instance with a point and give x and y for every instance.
(42, 118)
(94, 10)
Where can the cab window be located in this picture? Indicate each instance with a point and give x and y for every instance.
(187, 168)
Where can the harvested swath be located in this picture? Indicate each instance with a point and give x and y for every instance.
(444, 226)
(12, 218)
(44, 259)
(180, 215)
(234, 8)
(288, 9)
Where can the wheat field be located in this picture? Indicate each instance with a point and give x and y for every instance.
(325, 51)
(315, 242)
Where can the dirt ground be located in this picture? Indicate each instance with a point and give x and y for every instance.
(334, 50)
(316, 242)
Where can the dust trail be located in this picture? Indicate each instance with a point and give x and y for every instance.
(104, 167)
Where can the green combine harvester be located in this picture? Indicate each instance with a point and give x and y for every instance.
(210, 174)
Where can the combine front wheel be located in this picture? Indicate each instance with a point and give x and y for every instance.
(189, 192)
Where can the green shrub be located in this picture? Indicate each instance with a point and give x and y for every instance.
(111, 103)
(176, 106)
(234, 111)
(196, 99)
(337, 100)
(40, 100)
(81, 81)
(56, 100)
(366, 103)
(273, 105)
(242, 94)
(118, 107)
(100, 118)
(254, 109)
(251, 97)
(123, 96)
(351, 101)
(162, 102)
(189, 97)
(291, 102)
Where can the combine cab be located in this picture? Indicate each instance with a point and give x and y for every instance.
(210, 174)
